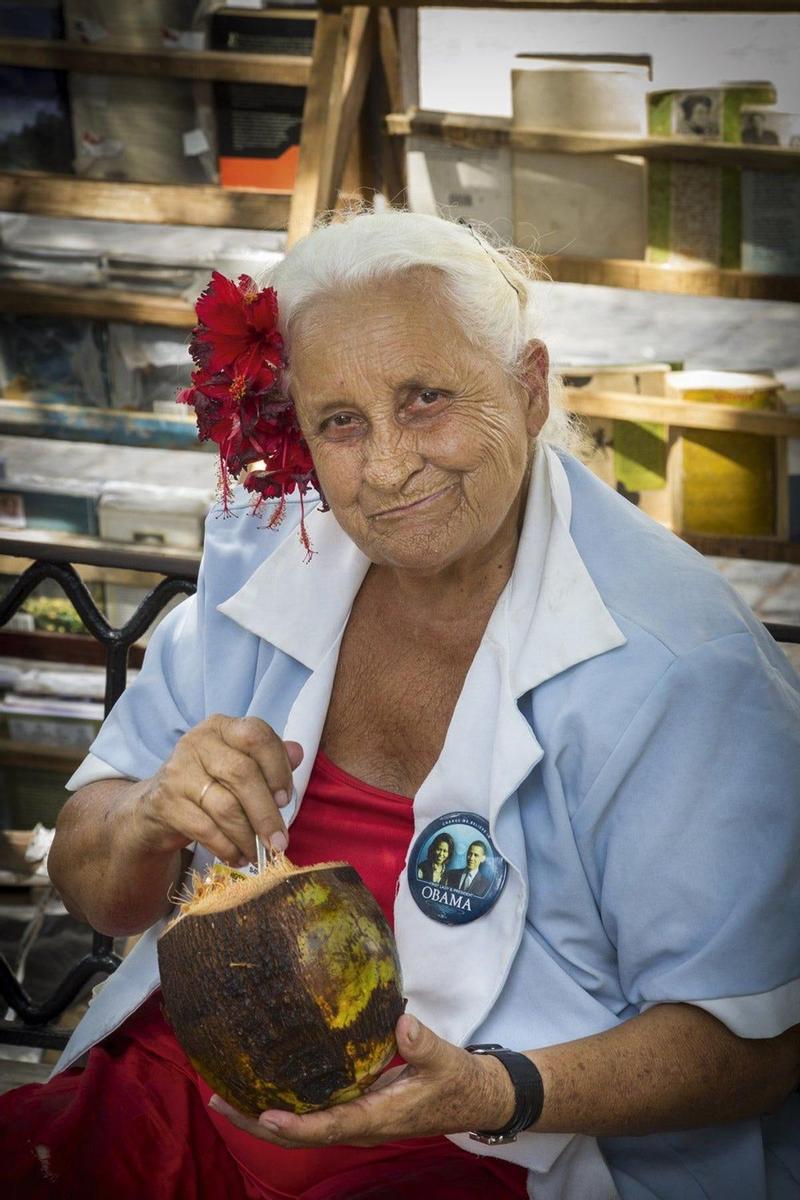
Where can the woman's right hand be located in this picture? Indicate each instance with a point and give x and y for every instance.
(225, 782)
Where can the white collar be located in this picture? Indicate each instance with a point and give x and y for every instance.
(550, 614)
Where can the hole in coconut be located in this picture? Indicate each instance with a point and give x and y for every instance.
(224, 887)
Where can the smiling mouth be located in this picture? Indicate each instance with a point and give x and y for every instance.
(404, 508)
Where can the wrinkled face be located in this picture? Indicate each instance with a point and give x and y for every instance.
(475, 856)
(421, 441)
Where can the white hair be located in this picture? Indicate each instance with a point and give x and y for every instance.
(486, 282)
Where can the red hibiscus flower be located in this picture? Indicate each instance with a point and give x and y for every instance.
(237, 396)
(237, 328)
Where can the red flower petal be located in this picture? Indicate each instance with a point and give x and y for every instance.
(262, 314)
(221, 307)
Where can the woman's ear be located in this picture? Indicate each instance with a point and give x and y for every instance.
(534, 378)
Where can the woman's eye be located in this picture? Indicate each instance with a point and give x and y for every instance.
(339, 425)
(426, 398)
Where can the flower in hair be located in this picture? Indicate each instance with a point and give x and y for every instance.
(238, 398)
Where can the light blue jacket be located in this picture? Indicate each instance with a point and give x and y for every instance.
(633, 737)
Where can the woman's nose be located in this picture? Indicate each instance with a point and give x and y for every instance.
(391, 459)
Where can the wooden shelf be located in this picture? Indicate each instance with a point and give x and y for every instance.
(75, 548)
(15, 565)
(222, 65)
(686, 414)
(684, 281)
(710, 6)
(110, 426)
(46, 195)
(488, 132)
(20, 296)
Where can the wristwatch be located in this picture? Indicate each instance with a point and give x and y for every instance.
(528, 1089)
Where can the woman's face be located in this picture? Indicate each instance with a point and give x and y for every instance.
(420, 440)
(441, 853)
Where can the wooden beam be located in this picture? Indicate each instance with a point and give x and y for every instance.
(623, 406)
(346, 110)
(173, 64)
(455, 128)
(109, 426)
(315, 156)
(481, 131)
(31, 298)
(77, 548)
(152, 203)
(711, 6)
(390, 58)
(658, 277)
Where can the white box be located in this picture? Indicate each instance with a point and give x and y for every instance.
(468, 182)
(592, 205)
(154, 516)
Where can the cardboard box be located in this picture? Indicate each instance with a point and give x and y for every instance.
(631, 457)
(155, 516)
(471, 183)
(730, 484)
(38, 504)
(592, 206)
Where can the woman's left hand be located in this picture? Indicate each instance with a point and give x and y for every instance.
(443, 1089)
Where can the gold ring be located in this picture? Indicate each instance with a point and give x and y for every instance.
(202, 794)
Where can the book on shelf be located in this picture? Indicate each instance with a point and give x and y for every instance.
(695, 209)
(155, 130)
(587, 205)
(258, 125)
(770, 199)
(35, 131)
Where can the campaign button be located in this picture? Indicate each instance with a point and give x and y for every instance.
(455, 873)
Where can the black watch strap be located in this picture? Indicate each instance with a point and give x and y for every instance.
(528, 1089)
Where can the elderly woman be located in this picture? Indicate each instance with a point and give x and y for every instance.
(489, 642)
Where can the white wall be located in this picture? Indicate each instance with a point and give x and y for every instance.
(466, 55)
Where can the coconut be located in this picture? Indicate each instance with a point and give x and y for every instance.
(283, 988)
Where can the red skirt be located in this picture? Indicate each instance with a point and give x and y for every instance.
(134, 1125)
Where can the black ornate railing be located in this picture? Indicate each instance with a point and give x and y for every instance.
(32, 1016)
(53, 562)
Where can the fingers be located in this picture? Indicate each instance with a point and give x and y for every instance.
(419, 1046)
(225, 783)
(367, 1121)
(295, 752)
(254, 768)
(240, 802)
(248, 1124)
(255, 739)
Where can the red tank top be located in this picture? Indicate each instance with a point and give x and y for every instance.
(343, 818)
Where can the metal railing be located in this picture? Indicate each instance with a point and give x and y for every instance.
(32, 1016)
(53, 562)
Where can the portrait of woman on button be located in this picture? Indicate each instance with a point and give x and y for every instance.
(434, 868)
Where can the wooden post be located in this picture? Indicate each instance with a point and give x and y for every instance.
(327, 69)
(340, 66)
